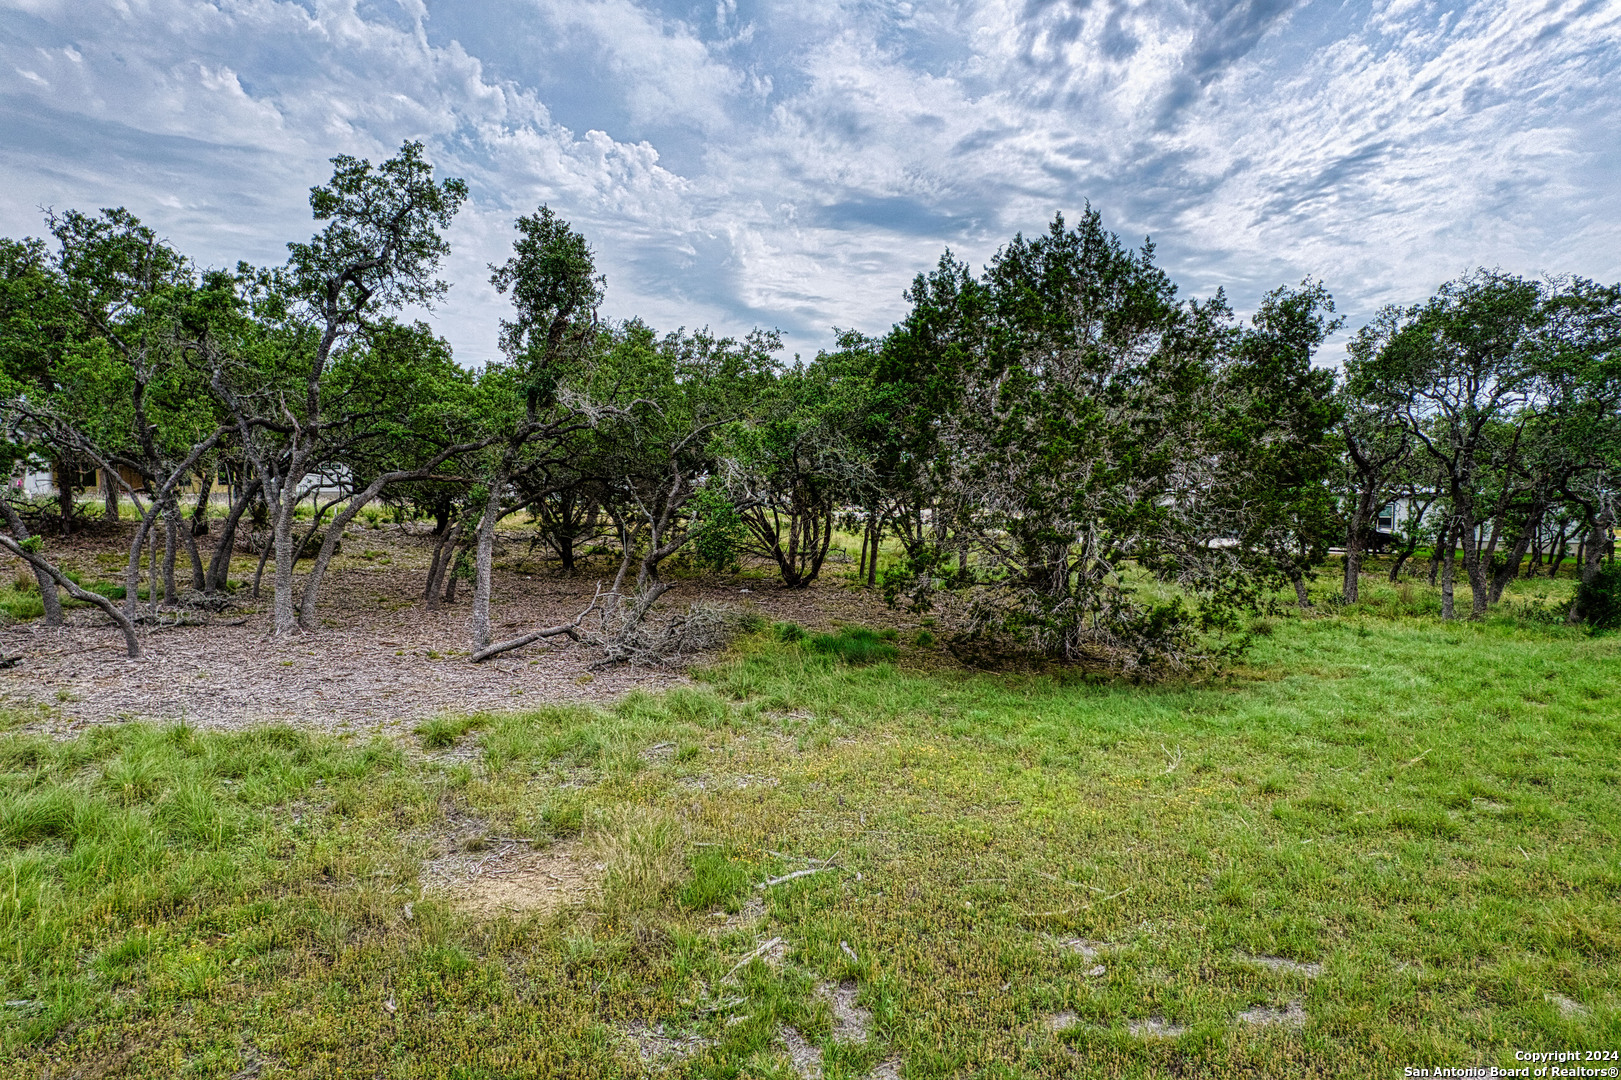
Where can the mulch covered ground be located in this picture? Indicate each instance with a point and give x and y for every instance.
(379, 658)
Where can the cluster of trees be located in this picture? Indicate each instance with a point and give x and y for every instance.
(1089, 465)
(1492, 412)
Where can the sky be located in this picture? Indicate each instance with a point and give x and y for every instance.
(793, 165)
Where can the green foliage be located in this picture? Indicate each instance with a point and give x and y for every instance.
(1598, 602)
(717, 531)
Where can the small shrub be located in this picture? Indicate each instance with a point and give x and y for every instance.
(923, 639)
(1598, 603)
(855, 645)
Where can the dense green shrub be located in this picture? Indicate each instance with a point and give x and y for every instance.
(1598, 603)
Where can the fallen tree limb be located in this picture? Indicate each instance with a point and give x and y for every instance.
(761, 951)
(568, 629)
(789, 877)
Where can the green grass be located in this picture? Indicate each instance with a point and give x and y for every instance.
(1427, 813)
(20, 597)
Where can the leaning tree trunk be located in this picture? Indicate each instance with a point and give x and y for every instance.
(219, 566)
(61, 580)
(48, 595)
(132, 570)
(1561, 551)
(199, 514)
(1516, 554)
(443, 549)
(329, 546)
(64, 495)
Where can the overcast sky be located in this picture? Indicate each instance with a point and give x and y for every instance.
(739, 163)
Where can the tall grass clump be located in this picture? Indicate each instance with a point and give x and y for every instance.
(856, 645)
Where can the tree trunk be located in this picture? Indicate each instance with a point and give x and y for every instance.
(483, 564)
(443, 549)
(109, 493)
(286, 623)
(199, 515)
(48, 596)
(1589, 556)
(565, 550)
(132, 571)
(877, 547)
(1301, 595)
(1354, 529)
(449, 571)
(1474, 567)
(1442, 539)
(1561, 550)
(219, 566)
(64, 494)
(171, 549)
(329, 546)
(1516, 554)
(1449, 575)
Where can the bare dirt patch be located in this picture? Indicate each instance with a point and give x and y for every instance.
(1569, 1009)
(1278, 963)
(653, 1044)
(511, 878)
(851, 1022)
(806, 1056)
(378, 659)
(752, 911)
(1290, 1015)
(1156, 1027)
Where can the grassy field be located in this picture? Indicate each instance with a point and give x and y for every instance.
(1380, 842)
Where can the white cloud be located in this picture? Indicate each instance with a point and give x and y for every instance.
(829, 151)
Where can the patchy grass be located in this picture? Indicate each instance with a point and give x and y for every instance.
(1382, 842)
